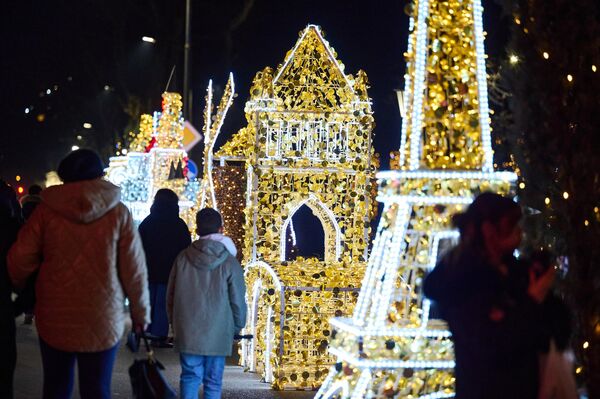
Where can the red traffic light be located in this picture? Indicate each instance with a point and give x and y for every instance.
(20, 190)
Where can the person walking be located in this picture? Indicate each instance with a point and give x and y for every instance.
(9, 226)
(164, 235)
(206, 306)
(28, 205)
(492, 303)
(83, 241)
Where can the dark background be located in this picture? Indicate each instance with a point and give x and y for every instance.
(91, 57)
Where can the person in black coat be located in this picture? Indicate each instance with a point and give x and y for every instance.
(492, 304)
(164, 234)
(10, 221)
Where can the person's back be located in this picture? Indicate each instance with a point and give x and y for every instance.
(79, 228)
(207, 299)
(83, 241)
(206, 306)
(10, 223)
(164, 235)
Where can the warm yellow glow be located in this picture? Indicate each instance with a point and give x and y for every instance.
(450, 67)
(570, 77)
(18, 178)
(307, 141)
(578, 370)
(449, 138)
(517, 21)
(155, 159)
(594, 69)
(170, 125)
(586, 345)
(140, 140)
(514, 59)
(586, 222)
(522, 185)
(547, 201)
(546, 55)
(566, 195)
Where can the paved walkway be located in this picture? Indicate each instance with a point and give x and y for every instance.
(236, 385)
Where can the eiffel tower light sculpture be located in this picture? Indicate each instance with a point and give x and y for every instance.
(393, 346)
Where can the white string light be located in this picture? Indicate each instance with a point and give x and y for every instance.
(407, 89)
(325, 216)
(482, 89)
(390, 363)
(439, 174)
(332, 58)
(421, 56)
(262, 265)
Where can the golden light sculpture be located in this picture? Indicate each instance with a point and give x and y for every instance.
(156, 159)
(142, 139)
(307, 142)
(391, 347)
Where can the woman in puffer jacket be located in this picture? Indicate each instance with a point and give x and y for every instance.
(84, 245)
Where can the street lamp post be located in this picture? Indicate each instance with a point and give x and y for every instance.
(187, 106)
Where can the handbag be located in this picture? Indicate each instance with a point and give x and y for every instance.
(556, 375)
(147, 379)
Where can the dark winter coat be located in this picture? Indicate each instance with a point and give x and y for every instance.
(8, 359)
(496, 326)
(8, 234)
(164, 235)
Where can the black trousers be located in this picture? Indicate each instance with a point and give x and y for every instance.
(8, 359)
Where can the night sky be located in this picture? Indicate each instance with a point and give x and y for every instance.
(90, 56)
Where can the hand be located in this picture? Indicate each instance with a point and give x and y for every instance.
(539, 286)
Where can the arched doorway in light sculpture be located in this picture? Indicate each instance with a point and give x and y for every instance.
(391, 347)
(331, 228)
(307, 142)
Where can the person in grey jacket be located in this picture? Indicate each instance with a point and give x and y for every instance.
(206, 307)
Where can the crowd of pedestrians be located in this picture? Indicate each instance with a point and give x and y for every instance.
(73, 253)
(81, 254)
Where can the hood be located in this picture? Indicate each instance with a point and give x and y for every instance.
(83, 201)
(163, 209)
(206, 254)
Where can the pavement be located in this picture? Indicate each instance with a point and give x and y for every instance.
(236, 382)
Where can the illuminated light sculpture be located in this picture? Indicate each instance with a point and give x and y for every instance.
(156, 159)
(307, 143)
(212, 128)
(391, 347)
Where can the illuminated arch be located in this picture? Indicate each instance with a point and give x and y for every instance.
(333, 233)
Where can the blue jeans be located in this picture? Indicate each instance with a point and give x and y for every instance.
(197, 370)
(95, 372)
(158, 305)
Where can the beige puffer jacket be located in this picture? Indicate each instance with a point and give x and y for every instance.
(89, 255)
